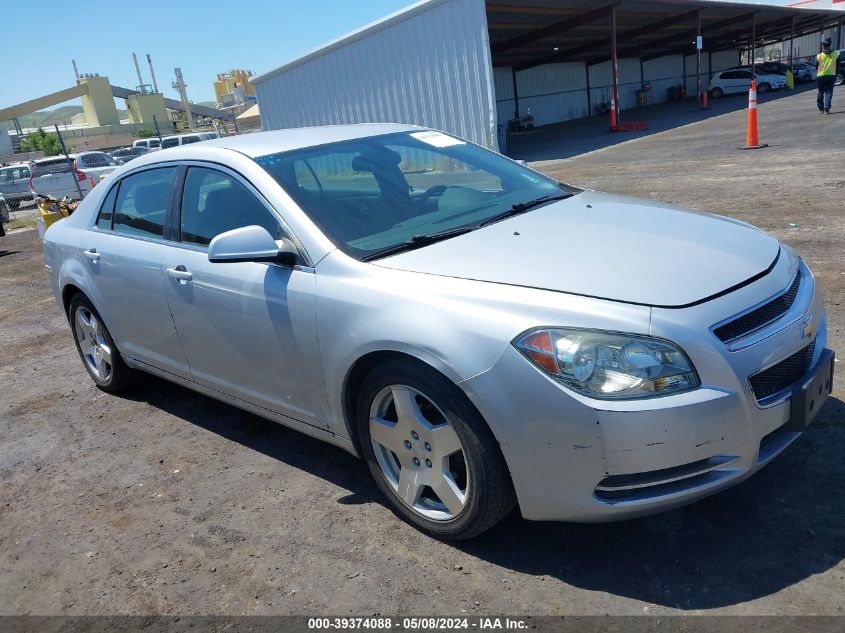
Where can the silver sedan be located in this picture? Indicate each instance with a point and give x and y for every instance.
(483, 336)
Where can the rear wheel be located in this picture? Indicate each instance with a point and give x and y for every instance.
(430, 451)
(716, 93)
(96, 347)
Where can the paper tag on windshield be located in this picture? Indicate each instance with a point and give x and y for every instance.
(437, 139)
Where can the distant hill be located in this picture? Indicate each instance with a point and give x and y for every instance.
(48, 118)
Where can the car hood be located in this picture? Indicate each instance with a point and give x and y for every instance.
(606, 246)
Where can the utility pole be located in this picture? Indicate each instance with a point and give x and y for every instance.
(152, 73)
(180, 85)
(69, 162)
(141, 87)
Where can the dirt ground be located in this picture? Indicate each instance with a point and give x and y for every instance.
(164, 501)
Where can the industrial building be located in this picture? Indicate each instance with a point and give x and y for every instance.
(470, 67)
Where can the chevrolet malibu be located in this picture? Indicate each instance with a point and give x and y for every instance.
(482, 335)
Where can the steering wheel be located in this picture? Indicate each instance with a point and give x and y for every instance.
(436, 190)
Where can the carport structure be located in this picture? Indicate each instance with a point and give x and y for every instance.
(470, 66)
(613, 49)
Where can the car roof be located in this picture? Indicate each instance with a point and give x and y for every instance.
(262, 143)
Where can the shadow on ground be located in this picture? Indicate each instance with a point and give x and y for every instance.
(776, 529)
(571, 138)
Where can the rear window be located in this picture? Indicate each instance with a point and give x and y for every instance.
(96, 160)
(190, 139)
(155, 143)
(53, 166)
(10, 174)
(169, 142)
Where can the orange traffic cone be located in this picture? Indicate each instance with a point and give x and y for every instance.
(751, 140)
(613, 121)
(704, 101)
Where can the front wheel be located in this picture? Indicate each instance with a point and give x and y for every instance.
(430, 451)
(840, 79)
(763, 88)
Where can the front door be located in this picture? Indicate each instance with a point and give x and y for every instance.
(248, 329)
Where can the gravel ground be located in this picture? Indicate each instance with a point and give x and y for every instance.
(164, 501)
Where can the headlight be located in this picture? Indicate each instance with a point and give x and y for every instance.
(609, 366)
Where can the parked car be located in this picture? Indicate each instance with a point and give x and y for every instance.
(738, 80)
(151, 144)
(840, 71)
(186, 139)
(14, 184)
(126, 154)
(56, 177)
(804, 72)
(481, 334)
(95, 164)
(4, 210)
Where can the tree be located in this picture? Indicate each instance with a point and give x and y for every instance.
(41, 141)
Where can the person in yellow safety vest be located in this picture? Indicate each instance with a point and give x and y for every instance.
(826, 76)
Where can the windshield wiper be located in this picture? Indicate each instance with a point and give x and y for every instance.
(418, 241)
(522, 207)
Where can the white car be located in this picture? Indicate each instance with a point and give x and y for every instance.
(95, 164)
(738, 80)
(151, 144)
(186, 139)
(482, 335)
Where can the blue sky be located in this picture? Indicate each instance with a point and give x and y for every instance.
(203, 38)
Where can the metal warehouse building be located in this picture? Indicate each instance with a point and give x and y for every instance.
(469, 66)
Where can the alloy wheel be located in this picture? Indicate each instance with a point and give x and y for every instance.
(95, 349)
(419, 453)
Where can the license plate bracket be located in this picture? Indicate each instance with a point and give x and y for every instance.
(809, 393)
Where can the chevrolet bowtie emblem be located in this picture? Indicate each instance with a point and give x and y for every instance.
(809, 329)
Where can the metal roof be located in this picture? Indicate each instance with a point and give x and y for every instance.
(525, 33)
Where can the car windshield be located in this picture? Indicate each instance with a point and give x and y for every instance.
(378, 195)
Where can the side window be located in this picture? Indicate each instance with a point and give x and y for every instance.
(169, 142)
(743, 74)
(142, 202)
(107, 210)
(153, 143)
(214, 202)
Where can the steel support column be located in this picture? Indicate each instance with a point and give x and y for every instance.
(697, 65)
(613, 59)
(753, 52)
(515, 95)
(791, 45)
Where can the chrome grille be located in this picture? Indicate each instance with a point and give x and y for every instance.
(783, 375)
(761, 316)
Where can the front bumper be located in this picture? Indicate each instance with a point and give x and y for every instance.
(576, 459)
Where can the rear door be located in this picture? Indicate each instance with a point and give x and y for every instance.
(14, 182)
(122, 257)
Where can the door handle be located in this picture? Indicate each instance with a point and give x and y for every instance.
(180, 274)
(93, 255)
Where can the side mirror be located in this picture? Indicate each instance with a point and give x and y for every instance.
(251, 244)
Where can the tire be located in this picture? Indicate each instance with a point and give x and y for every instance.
(840, 79)
(465, 460)
(763, 88)
(716, 93)
(101, 360)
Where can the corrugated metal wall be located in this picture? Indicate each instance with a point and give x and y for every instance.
(554, 92)
(663, 73)
(429, 65)
(808, 45)
(630, 80)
